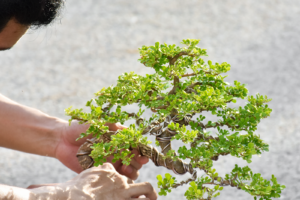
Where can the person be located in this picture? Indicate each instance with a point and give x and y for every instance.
(30, 130)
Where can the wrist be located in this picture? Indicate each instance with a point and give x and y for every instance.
(44, 135)
(56, 132)
(59, 191)
(44, 193)
(27, 129)
(47, 192)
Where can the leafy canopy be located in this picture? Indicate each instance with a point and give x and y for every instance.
(184, 85)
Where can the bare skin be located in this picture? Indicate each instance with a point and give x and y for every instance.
(32, 131)
(29, 130)
(10, 35)
(97, 183)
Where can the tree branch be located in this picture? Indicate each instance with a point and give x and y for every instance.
(217, 124)
(177, 166)
(172, 60)
(176, 85)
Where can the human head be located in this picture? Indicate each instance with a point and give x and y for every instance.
(16, 16)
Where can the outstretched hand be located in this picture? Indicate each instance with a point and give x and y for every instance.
(101, 182)
(68, 146)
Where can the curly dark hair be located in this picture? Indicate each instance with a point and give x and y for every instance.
(35, 13)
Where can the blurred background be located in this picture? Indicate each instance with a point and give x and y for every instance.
(93, 42)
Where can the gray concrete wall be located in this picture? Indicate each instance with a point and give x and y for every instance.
(95, 41)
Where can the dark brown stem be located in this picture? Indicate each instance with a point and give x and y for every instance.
(108, 107)
(194, 74)
(176, 85)
(160, 98)
(161, 107)
(131, 114)
(224, 182)
(186, 75)
(201, 136)
(78, 119)
(172, 60)
(217, 124)
(209, 108)
(177, 166)
(193, 178)
(193, 85)
(173, 91)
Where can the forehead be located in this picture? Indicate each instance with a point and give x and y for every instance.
(11, 33)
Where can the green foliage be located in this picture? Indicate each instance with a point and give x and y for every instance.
(119, 146)
(254, 184)
(185, 83)
(165, 184)
(198, 191)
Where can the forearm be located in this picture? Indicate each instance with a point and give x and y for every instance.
(27, 129)
(40, 193)
(15, 193)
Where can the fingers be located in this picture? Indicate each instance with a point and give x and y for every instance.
(72, 132)
(116, 184)
(130, 172)
(136, 164)
(115, 126)
(144, 188)
(116, 164)
(139, 158)
(107, 166)
(138, 161)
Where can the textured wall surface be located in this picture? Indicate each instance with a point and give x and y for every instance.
(95, 41)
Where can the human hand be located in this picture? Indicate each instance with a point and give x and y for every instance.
(96, 183)
(67, 148)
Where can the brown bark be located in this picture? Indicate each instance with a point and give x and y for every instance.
(177, 166)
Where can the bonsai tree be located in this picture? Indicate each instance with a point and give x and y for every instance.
(179, 93)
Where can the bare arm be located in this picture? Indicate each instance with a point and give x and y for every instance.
(30, 130)
(14, 193)
(27, 129)
(96, 183)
